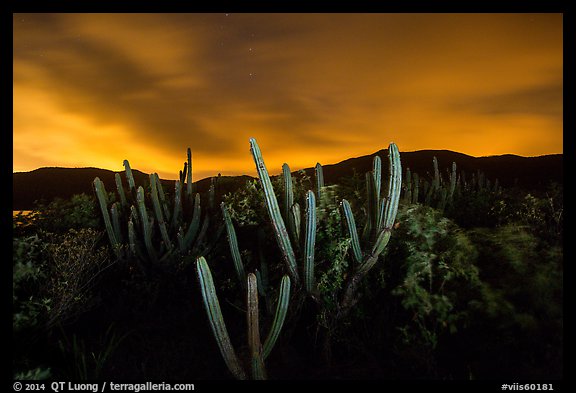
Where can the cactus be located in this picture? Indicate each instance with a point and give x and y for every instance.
(120, 189)
(284, 241)
(309, 241)
(258, 352)
(233, 242)
(130, 178)
(212, 307)
(319, 179)
(103, 202)
(381, 231)
(189, 190)
(274, 212)
(159, 234)
(289, 202)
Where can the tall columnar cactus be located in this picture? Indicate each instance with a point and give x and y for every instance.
(289, 202)
(153, 230)
(103, 201)
(384, 218)
(233, 243)
(274, 212)
(319, 179)
(257, 352)
(286, 244)
(309, 241)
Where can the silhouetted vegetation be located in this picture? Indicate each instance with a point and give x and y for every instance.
(468, 288)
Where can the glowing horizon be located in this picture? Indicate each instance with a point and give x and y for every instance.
(91, 90)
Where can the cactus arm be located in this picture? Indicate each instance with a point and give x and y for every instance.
(372, 205)
(351, 224)
(394, 186)
(177, 204)
(279, 317)
(130, 178)
(116, 222)
(158, 211)
(297, 218)
(309, 241)
(189, 175)
(212, 307)
(103, 201)
(162, 197)
(288, 200)
(120, 189)
(252, 316)
(134, 215)
(233, 243)
(194, 224)
(203, 231)
(383, 236)
(319, 179)
(377, 173)
(274, 212)
(133, 242)
(146, 227)
(416, 188)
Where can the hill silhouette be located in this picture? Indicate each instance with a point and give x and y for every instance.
(532, 173)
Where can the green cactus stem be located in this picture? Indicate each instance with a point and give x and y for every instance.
(279, 317)
(154, 185)
(383, 236)
(120, 189)
(233, 243)
(130, 178)
(351, 224)
(319, 179)
(212, 307)
(114, 212)
(309, 241)
(189, 190)
(252, 316)
(146, 224)
(377, 173)
(274, 212)
(103, 201)
(289, 201)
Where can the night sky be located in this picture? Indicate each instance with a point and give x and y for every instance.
(95, 89)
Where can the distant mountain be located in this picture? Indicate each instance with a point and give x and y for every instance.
(533, 173)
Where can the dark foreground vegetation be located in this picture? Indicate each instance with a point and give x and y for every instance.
(432, 276)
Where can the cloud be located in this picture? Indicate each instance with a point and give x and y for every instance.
(310, 87)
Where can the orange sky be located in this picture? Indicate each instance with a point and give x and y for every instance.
(95, 89)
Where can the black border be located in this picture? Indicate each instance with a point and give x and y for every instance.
(298, 7)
